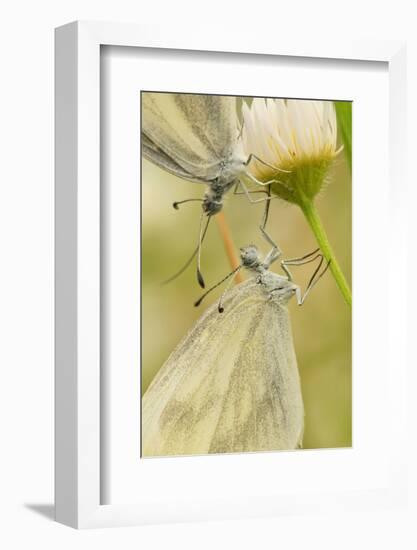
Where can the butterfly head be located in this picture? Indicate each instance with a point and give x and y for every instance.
(213, 199)
(249, 256)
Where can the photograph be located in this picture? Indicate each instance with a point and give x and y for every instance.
(246, 256)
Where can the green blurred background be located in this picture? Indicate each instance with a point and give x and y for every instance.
(321, 327)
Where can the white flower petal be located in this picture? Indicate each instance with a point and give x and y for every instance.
(281, 132)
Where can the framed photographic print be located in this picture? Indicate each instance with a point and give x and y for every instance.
(216, 203)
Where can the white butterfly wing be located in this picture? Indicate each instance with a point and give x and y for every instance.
(161, 159)
(231, 385)
(197, 132)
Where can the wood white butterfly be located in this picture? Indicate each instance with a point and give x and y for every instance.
(232, 384)
(196, 137)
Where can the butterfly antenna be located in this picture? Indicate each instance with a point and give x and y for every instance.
(187, 263)
(234, 272)
(220, 306)
(184, 267)
(176, 204)
(202, 232)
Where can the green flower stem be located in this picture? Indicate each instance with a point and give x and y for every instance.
(312, 216)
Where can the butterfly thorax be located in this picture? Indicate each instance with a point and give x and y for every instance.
(230, 169)
(277, 287)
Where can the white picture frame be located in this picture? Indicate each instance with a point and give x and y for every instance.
(78, 410)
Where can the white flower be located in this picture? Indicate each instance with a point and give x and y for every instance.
(290, 135)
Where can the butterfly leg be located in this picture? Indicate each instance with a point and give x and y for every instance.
(313, 279)
(312, 283)
(248, 193)
(266, 200)
(300, 261)
(253, 156)
(266, 210)
(236, 192)
(274, 253)
(262, 183)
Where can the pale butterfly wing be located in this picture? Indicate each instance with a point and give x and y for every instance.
(153, 153)
(231, 385)
(214, 121)
(196, 132)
